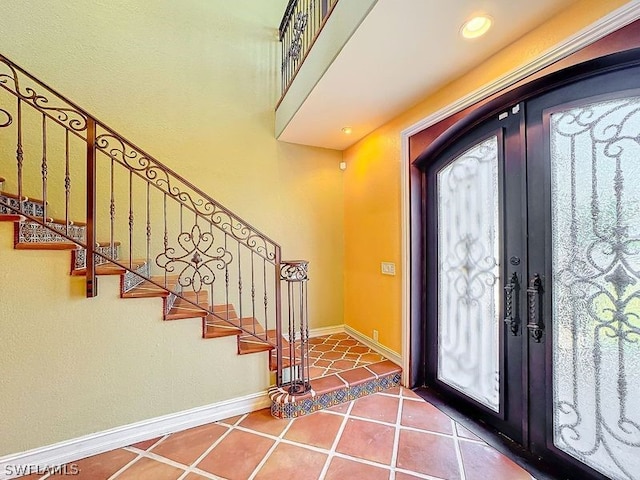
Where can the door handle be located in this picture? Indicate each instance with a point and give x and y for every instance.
(511, 293)
(534, 292)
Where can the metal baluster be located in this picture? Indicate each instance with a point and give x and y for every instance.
(290, 59)
(266, 298)
(196, 259)
(67, 181)
(226, 278)
(166, 235)
(240, 287)
(302, 375)
(19, 154)
(92, 283)
(304, 347)
(213, 279)
(305, 31)
(283, 59)
(131, 219)
(278, 315)
(253, 288)
(148, 226)
(112, 210)
(292, 332)
(44, 168)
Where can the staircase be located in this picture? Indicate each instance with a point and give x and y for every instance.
(72, 183)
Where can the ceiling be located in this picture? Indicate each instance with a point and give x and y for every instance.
(401, 52)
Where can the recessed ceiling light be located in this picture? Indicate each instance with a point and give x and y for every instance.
(347, 130)
(476, 27)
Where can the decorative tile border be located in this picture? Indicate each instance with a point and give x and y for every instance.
(131, 280)
(32, 232)
(171, 299)
(79, 259)
(285, 405)
(28, 207)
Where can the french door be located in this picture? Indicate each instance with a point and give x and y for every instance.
(533, 273)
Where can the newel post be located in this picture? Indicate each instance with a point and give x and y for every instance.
(296, 350)
(92, 283)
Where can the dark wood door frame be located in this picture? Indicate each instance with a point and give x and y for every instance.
(623, 40)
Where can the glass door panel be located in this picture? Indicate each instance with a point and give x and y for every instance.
(595, 272)
(469, 273)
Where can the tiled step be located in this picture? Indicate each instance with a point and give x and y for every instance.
(334, 389)
(149, 289)
(105, 248)
(33, 207)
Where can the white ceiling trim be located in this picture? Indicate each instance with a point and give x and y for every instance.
(604, 26)
(608, 24)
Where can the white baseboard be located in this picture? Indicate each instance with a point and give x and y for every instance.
(85, 446)
(321, 332)
(395, 357)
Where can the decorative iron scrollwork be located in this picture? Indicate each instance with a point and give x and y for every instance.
(294, 271)
(195, 262)
(186, 194)
(6, 122)
(535, 326)
(68, 116)
(511, 290)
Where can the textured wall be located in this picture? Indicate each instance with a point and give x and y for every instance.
(195, 83)
(372, 179)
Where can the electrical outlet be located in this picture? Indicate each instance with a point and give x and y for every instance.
(388, 268)
(375, 335)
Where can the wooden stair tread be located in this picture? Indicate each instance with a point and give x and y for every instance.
(224, 310)
(24, 198)
(11, 217)
(248, 343)
(45, 246)
(63, 222)
(215, 328)
(106, 244)
(111, 268)
(246, 347)
(183, 309)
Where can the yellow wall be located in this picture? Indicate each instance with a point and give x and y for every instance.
(372, 179)
(195, 83)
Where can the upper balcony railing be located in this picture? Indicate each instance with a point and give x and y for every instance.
(302, 22)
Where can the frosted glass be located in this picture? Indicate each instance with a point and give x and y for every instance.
(595, 181)
(468, 274)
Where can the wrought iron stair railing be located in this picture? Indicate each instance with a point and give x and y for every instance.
(300, 26)
(144, 218)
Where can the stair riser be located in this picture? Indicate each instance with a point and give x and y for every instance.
(79, 256)
(289, 406)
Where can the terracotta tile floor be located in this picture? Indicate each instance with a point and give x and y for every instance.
(392, 435)
(338, 352)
